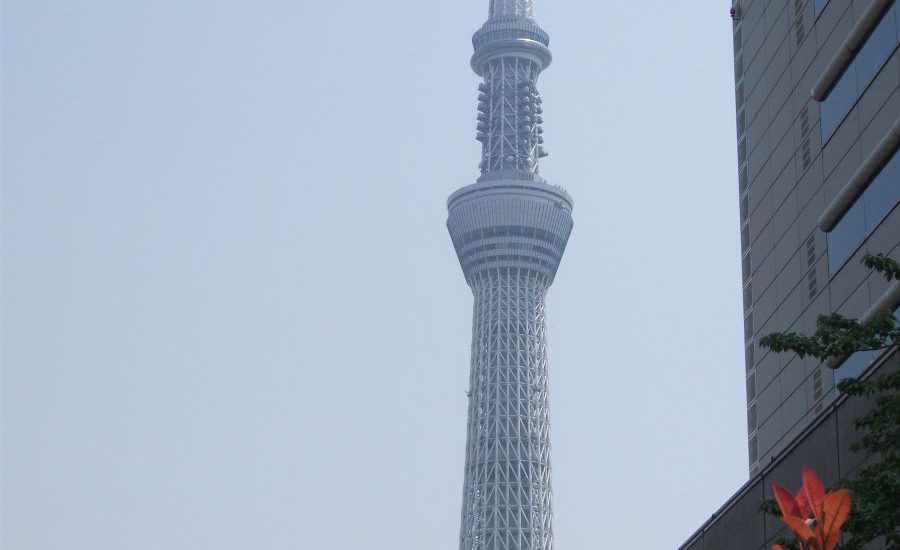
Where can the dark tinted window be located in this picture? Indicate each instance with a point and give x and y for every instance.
(839, 101)
(860, 72)
(876, 49)
(854, 365)
(864, 216)
(882, 193)
(846, 236)
(858, 362)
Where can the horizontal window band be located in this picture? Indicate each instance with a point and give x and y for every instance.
(848, 50)
(889, 301)
(500, 243)
(861, 179)
(508, 231)
(533, 252)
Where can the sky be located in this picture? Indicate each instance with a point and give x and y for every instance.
(231, 313)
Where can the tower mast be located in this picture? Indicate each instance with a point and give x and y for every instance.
(510, 230)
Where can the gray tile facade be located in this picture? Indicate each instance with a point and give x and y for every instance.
(789, 173)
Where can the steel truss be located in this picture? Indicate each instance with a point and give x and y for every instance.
(521, 8)
(507, 495)
(509, 115)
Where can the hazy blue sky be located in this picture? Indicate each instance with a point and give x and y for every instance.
(231, 314)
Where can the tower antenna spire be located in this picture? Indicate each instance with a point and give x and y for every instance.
(511, 50)
(515, 8)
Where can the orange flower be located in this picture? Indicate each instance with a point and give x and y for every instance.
(812, 514)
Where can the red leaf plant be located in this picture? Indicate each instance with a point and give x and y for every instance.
(814, 515)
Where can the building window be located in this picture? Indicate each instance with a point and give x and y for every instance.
(874, 52)
(863, 217)
(857, 363)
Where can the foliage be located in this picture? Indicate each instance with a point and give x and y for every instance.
(884, 265)
(815, 516)
(875, 487)
(836, 335)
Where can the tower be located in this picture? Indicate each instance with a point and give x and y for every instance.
(510, 230)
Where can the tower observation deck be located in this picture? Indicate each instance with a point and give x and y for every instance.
(510, 229)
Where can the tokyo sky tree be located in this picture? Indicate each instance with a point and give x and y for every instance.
(509, 229)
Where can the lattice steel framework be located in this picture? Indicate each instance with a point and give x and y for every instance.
(510, 53)
(522, 8)
(510, 231)
(509, 115)
(507, 500)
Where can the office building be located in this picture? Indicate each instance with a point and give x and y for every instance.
(818, 123)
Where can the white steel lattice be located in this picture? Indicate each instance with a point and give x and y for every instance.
(506, 495)
(520, 8)
(509, 115)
